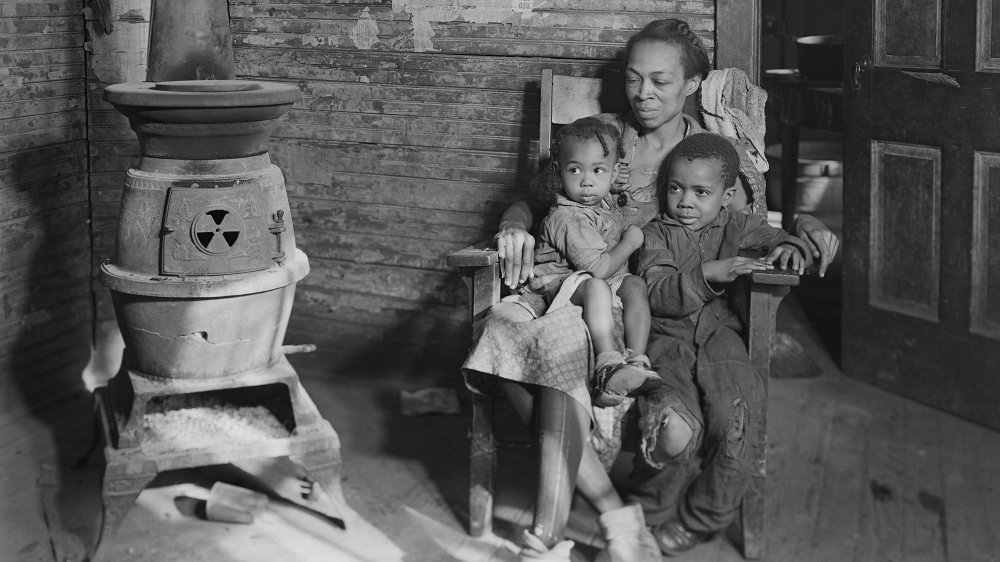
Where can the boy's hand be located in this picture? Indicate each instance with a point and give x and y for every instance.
(787, 256)
(727, 270)
(633, 236)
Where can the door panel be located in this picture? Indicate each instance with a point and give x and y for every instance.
(908, 33)
(988, 27)
(984, 311)
(922, 203)
(905, 281)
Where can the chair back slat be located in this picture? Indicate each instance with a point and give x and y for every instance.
(568, 98)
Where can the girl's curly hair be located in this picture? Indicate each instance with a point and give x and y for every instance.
(590, 128)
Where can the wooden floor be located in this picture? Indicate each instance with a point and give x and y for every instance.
(855, 474)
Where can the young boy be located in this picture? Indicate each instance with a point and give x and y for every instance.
(582, 259)
(709, 391)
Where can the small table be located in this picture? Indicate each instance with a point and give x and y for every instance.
(817, 105)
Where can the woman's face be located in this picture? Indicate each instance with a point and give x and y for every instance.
(655, 83)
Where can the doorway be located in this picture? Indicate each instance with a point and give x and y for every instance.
(805, 105)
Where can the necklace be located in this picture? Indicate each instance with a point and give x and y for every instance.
(627, 166)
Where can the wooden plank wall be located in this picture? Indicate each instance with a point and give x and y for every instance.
(45, 310)
(415, 131)
(112, 58)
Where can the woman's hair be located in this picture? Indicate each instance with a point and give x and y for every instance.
(694, 58)
(707, 146)
(590, 128)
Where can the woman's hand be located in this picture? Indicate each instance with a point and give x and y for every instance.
(787, 256)
(822, 242)
(727, 270)
(516, 249)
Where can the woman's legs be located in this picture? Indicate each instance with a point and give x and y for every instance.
(566, 459)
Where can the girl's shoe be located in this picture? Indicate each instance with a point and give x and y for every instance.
(628, 538)
(640, 360)
(613, 382)
(534, 550)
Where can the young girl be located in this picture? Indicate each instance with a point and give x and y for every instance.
(582, 258)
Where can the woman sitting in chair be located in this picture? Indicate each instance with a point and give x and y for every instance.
(541, 362)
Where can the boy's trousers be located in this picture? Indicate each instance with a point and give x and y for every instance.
(710, 384)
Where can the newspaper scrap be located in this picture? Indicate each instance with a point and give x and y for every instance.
(429, 401)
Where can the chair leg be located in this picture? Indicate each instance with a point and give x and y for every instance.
(482, 467)
(763, 306)
(752, 520)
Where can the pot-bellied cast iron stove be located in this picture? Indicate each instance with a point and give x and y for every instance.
(204, 269)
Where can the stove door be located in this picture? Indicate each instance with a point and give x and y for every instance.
(216, 231)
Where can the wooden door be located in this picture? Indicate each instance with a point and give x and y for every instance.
(922, 202)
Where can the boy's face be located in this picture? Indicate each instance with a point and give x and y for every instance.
(586, 172)
(695, 192)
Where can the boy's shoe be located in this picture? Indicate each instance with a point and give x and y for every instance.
(674, 538)
(627, 537)
(613, 382)
(534, 550)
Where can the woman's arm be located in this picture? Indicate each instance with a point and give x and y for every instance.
(822, 242)
(515, 246)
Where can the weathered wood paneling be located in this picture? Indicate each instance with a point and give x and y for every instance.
(113, 58)
(45, 304)
(416, 129)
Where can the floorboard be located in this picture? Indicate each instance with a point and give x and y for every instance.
(968, 533)
(855, 473)
(925, 520)
(882, 471)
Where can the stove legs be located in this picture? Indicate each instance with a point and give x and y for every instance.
(123, 482)
(315, 449)
(324, 467)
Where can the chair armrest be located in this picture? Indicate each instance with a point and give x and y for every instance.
(481, 254)
(757, 304)
(479, 266)
(775, 277)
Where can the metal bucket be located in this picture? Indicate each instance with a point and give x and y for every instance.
(821, 58)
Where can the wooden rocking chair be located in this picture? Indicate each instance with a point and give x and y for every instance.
(564, 99)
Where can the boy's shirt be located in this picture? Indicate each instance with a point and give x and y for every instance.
(670, 262)
(573, 237)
